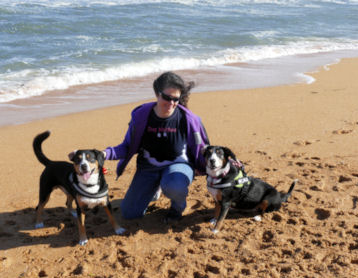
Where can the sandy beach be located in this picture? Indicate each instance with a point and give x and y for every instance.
(306, 131)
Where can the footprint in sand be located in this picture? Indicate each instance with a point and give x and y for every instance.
(305, 173)
(293, 242)
(291, 221)
(315, 188)
(330, 166)
(276, 217)
(315, 158)
(217, 258)
(212, 269)
(353, 246)
(287, 253)
(191, 251)
(303, 221)
(344, 179)
(267, 236)
(292, 155)
(322, 214)
(355, 201)
(342, 131)
(172, 273)
(302, 143)
(199, 275)
(42, 273)
(307, 256)
(246, 271)
(269, 170)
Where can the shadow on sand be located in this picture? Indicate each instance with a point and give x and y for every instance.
(17, 228)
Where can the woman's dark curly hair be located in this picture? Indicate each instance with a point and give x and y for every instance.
(171, 80)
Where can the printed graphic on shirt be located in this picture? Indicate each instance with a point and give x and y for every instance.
(161, 131)
(164, 140)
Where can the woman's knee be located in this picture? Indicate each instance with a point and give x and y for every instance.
(175, 185)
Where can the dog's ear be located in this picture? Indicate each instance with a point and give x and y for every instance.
(100, 157)
(72, 154)
(229, 153)
(203, 149)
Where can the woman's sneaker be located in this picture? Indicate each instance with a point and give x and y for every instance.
(157, 195)
(172, 216)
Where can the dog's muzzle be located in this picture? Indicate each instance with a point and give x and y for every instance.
(212, 164)
(85, 172)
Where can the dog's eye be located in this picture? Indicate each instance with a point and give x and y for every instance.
(77, 159)
(90, 158)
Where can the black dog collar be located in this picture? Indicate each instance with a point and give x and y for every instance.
(102, 193)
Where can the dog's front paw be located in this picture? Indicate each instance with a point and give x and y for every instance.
(120, 231)
(39, 225)
(83, 242)
(212, 221)
(257, 218)
(215, 231)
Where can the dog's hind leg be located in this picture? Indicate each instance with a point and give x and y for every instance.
(118, 229)
(261, 208)
(69, 206)
(44, 196)
(39, 209)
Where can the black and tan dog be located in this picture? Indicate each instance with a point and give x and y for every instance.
(228, 184)
(82, 181)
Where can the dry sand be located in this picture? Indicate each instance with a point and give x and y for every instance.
(309, 132)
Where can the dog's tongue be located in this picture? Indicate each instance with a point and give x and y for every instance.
(86, 176)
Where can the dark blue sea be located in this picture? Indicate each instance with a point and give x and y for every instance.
(62, 56)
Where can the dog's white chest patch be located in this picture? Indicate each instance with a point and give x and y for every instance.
(91, 202)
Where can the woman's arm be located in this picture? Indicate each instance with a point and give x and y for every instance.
(119, 151)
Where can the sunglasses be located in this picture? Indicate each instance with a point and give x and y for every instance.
(169, 98)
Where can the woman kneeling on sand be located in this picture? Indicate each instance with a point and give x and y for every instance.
(168, 138)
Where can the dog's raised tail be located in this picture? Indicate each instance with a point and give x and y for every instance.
(37, 145)
(288, 194)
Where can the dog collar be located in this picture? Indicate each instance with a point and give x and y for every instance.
(102, 193)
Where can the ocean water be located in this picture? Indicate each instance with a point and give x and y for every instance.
(56, 53)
